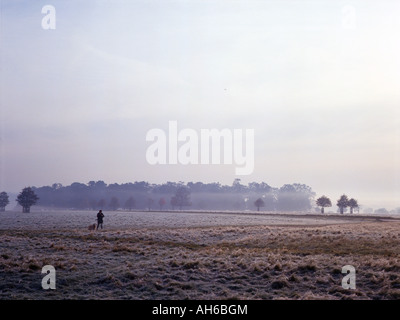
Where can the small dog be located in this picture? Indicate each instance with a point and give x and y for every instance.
(92, 227)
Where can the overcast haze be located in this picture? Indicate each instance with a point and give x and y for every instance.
(319, 86)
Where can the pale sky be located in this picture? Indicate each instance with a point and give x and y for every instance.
(318, 81)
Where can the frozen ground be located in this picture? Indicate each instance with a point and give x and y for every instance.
(180, 255)
(58, 220)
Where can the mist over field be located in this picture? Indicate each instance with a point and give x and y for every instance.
(83, 83)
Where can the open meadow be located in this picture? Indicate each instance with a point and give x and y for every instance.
(199, 255)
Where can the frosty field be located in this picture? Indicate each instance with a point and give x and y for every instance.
(199, 255)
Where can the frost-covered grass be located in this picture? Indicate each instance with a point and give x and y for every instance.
(115, 220)
(285, 259)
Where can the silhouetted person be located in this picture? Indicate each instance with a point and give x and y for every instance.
(100, 217)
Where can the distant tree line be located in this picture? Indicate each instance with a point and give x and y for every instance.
(96, 195)
(201, 196)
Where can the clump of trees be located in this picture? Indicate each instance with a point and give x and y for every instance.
(344, 202)
(294, 197)
(4, 201)
(26, 199)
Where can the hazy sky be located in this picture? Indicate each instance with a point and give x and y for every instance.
(318, 81)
